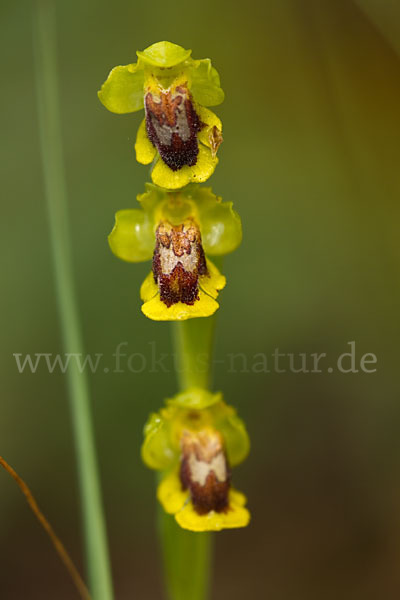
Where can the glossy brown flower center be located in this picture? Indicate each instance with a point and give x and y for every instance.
(172, 125)
(178, 261)
(205, 471)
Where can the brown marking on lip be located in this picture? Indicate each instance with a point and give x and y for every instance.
(205, 471)
(172, 125)
(178, 261)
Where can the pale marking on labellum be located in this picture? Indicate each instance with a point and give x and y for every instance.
(165, 131)
(199, 470)
(169, 260)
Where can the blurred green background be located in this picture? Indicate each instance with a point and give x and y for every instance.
(311, 162)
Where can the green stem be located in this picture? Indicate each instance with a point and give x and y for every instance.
(187, 559)
(44, 29)
(187, 555)
(193, 341)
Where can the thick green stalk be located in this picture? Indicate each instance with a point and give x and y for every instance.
(44, 28)
(187, 555)
(187, 559)
(193, 341)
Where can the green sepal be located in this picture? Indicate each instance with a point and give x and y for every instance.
(194, 409)
(122, 92)
(164, 55)
(205, 83)
(195, 399)
(157, 451)
(160, 204)
(220, 224)
(236, 438)
(132, 238)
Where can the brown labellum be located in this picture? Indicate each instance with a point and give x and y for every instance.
(205, 471)
(172, 125)
(178, 261)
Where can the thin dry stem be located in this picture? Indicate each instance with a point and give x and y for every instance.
(58, 545)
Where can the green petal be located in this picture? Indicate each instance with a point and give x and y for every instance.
(157, 452)
(236, 438)
(220, 224)
(132, 238)
(151, 198)
(164, 55)
(224, 419)
(205, 83)
(122, 92)
(195, 399)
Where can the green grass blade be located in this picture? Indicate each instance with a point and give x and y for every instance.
(48, 105)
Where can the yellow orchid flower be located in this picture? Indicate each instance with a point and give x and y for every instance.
(178, 134)
(195, 441)
(177, 230)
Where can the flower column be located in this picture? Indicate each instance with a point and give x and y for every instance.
(196, 439)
